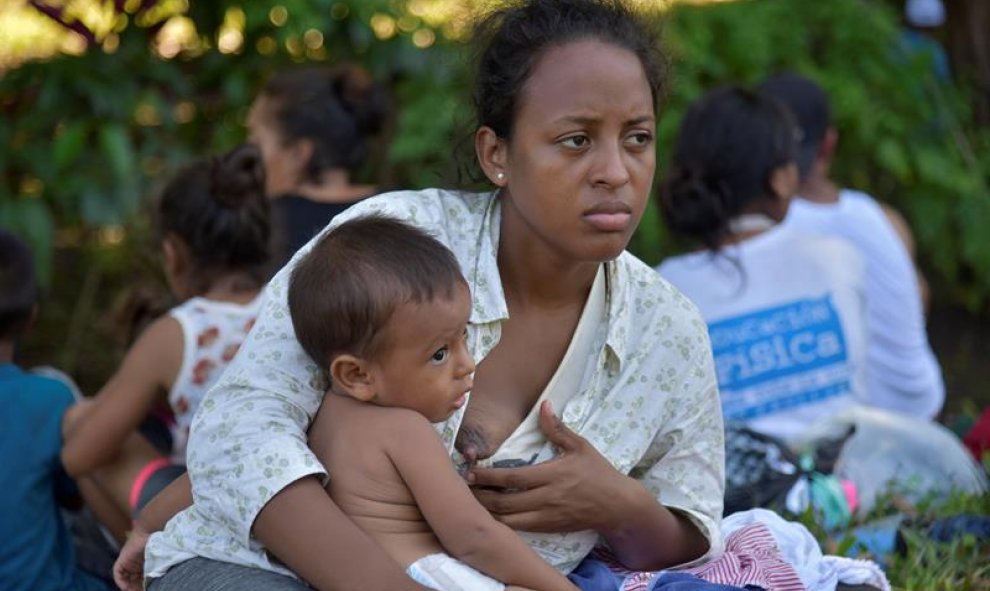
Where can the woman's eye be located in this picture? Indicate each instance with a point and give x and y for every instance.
(440, 356)
(575, 141)
(641, 138)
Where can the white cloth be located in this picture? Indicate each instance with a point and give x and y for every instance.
(212, 333)
(647, 401)
(800, 549)
(904, 375)
(785, 316)
(445, 573)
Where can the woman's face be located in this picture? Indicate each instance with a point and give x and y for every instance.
(580, 162)
(283, 166)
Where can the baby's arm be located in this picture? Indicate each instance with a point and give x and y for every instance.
(463, 526)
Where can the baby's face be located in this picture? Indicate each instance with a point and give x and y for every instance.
(426, 365)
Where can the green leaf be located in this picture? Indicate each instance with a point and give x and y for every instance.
(116, 147)
(69, 143)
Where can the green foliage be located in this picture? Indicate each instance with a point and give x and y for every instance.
(85, 139)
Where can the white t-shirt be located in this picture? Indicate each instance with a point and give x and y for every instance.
(785, 314)
(904, 376)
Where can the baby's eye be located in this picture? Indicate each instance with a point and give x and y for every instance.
(440, 356)
(575, 141)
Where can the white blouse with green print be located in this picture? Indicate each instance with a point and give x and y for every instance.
(648, 400)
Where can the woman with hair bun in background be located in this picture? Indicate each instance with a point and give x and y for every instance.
(213, 222)
(785, 310)
(313, 125)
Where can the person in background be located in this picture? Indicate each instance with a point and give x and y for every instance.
(313, 126)
(214, 228)
(784, 308)
(36, 548)
(921, 19)
(904, 376)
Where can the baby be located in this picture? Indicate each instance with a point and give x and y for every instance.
(383, 308)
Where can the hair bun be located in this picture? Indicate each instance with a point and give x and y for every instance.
(694, 207)
(238, 176)
(361, 97)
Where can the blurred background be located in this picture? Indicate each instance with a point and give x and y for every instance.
(101, 100)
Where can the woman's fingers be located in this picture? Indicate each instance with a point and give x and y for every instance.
(556, 431)
(508, 503)
(525, 477)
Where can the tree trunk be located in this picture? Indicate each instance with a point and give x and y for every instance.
(967, 39)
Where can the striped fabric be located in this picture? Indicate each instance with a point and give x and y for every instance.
(751, 558)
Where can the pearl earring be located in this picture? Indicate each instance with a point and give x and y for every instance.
(500, 176)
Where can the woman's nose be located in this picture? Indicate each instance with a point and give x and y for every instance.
(611, 169)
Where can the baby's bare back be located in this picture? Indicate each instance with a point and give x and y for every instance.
(346, 436)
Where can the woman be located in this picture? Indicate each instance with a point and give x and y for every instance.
(785, 309)
(565, 99)
(313, 125)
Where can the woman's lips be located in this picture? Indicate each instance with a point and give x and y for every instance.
(460, 400)
(609, 217)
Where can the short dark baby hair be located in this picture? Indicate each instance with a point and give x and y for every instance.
(344, 291)
(18, 285)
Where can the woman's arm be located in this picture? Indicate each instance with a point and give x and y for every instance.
(128, 569)
(300, 523)
(94, 437)
(466, 531)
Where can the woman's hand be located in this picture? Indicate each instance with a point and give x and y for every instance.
(128, 570)
(577, 490)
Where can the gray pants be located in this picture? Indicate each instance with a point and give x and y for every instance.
(203, 574)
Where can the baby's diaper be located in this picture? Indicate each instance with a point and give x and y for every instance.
(445, 573)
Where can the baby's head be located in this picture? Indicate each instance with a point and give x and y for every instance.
(382, 307)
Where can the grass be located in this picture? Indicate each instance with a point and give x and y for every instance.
(922, 564)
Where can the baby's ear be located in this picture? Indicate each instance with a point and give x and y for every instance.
(349, 375)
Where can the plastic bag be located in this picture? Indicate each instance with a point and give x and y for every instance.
(894, 453)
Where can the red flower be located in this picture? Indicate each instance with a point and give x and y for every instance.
(201, 371)
(207, 337)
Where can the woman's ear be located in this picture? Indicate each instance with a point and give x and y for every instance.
(784, 182)
(173, 255)
(349, 375)
(301, 152)
(491, 152)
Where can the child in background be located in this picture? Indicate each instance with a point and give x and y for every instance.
(391, 336)
(36, 552)
(214, 226)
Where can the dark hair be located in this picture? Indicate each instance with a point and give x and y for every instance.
(729, 143)
(343, 292)
(808, 104)
(217, 207)
(513, 38)
(336, 109)
(18, 285)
